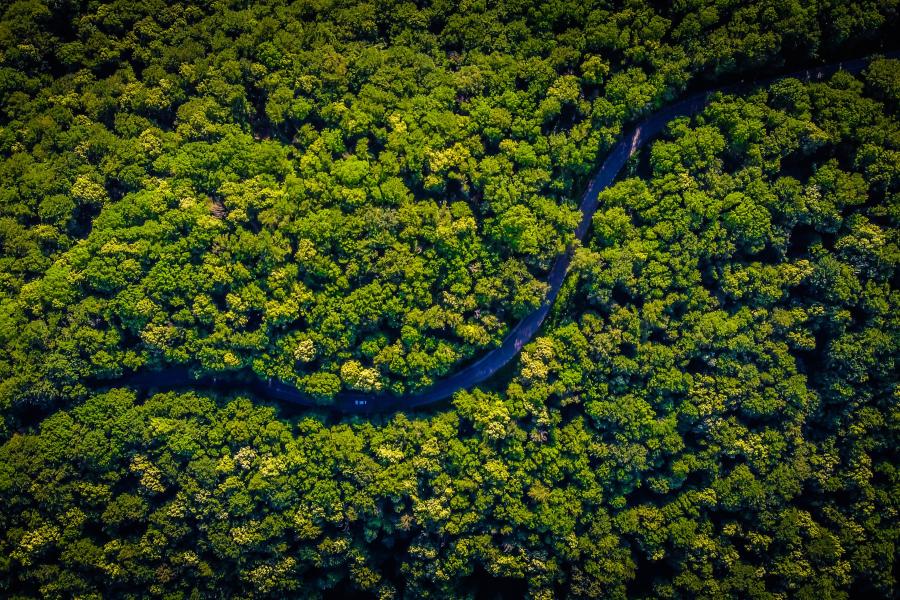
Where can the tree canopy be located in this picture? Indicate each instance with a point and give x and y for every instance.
(343, 195)
(363, 196)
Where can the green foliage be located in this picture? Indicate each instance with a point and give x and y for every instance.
(201, 185)
(363, 196)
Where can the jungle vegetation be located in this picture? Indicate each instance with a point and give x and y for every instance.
(364, 196)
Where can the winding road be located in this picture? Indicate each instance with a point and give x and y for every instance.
(477, 372)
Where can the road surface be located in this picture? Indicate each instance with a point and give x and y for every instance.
(477, 372)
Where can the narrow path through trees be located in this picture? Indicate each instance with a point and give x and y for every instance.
(477, 372)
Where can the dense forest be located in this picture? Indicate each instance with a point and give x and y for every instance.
(366, 196)
(357, 197)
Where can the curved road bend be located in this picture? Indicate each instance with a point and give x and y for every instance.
(475, 373)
